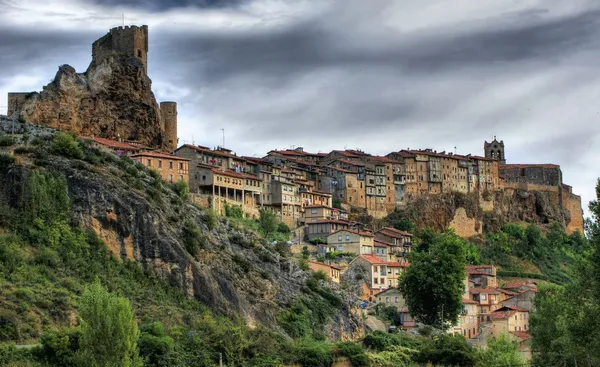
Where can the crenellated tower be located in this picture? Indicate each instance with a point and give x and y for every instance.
(168, 113)
(495, 150)
(130, 40)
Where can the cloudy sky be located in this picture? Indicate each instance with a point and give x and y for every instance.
(380, 75)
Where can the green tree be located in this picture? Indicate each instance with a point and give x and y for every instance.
(446, 350)
(268, 222)
(433, 284)
(500, 352)
(336, 203)
(156, 347)
(66, 145)
(109, 331)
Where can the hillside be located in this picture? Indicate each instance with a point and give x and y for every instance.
(71, 213)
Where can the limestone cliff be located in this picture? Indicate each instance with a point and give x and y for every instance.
(471, 215)
(112, 99)
(234, 273)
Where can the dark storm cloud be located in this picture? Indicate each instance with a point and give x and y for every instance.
(162, 5)
(22, 49)
(281, 56)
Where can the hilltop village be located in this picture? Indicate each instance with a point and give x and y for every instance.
(318, 195)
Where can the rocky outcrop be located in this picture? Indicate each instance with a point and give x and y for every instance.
(235, 273)
(471, 215)
(112, 99)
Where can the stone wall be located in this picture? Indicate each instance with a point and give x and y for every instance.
(537, 174)
(15, 102)
(464, 226)
(572, 203)
(168, 112)
(130, 40)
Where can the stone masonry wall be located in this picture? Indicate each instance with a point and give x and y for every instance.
(572, 203)
(547, 175)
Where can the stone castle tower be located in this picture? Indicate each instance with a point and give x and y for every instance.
(168, 112)
(495, 150)
(129, 40)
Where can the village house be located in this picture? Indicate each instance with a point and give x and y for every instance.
(117, 147)
(399, 242)
(332, 271)
(468, 321)
(393, 297)
(523, 339)
(523, 300)
(509, 319)
(482, 276)
(309, 198)
(228, 188)
(380, 274)
(221, 158)
(323, 228)
(285, 200)
(170, 167)
(343, 185)
(349, 241)
(314, 213)
(489, 300)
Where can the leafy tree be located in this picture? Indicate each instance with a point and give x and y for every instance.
(283, 228)
(268, 221)
(156, 347)
(181, 188)
(447, 350)
(354, 352)
(405, 225)
(433, 284)
(500, 352)
(234, 211)
(66, 145)
(109, 330)
(60, 347)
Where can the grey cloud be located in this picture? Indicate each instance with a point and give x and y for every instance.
(162, 5)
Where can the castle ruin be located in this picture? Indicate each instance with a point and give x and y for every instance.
(118, 105)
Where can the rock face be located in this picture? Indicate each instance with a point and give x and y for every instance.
(233, 274)
(471, 215)
(113, 99)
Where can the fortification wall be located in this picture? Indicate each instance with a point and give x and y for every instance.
(545, 175)
(15, 103)
(168, 112)
(464, 226)
(131, 40)
(572, 203)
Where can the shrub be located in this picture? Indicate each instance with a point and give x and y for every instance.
(59, 347)
(6, 141)
(234, 211)
(310, 353)
(156, 347)
(192, 238)
(268, 221)
(24, 150)
(354, 352)
(283, 228)
(6, 162)
(66, 145)
(181, 188)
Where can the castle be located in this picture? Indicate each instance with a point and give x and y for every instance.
(87, 111)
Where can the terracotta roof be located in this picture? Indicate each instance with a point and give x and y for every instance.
(397, 264)
(373, 260)
(384, 159)
(469, 301)
(515, 308)
(318, 206)
(523, 335)
(116, 144)
(393, 232)
(384, 243)
(380, 244)
(361, 233)
(387, 290)
(159, 155)
(321, 263)
(403, 310)
(229, 173)
(503, 314)
(477, 272)
(515, 285)
(509, 293)
(345, 153)
(545, 165)
(206, 150)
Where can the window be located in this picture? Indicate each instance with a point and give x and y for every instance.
(483, 297)
(376, 281)
(347, 237)
(396, 300)
(170, 165)
(159, 164)
(387, 299)
(203, 177)
(170, 178)
(139, 53)
(516, 318)
(180, 178)
(149, 162)
(313, 211)
(339, 238)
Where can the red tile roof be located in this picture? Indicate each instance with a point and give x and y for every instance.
(159, 155)
(116, 144)
(393, 232)
(477, 272)
(546, 165)
(373, 260)
(523, 335)
(503, 314)
(336, 221)
(515, 308)
(340, 169)
(229, 173)
(329, 265)
(469, 301)
(516, 285)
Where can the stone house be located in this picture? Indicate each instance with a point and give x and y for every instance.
(285, 200)
(311, 198)
(509, 319)
(482, 276)
(381, 274)
(314, 213)
(323, 228)
(391, 297)
(117, 147)
(221, 158)
(350, 241)
(523, 338)
(468, 321)
(522, 300)
(332, 271)
(489, 299)
(170, 167)
(400, 242)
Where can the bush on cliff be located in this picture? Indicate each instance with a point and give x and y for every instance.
(66, 145)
